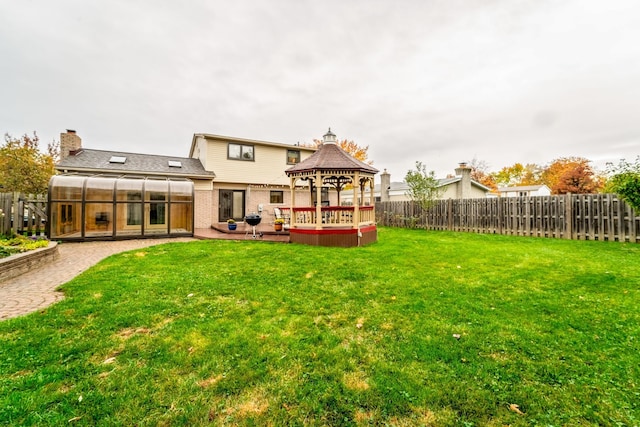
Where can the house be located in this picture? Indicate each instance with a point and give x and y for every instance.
(458, 186)
(525, 191)
(113, 194)
(249, 177)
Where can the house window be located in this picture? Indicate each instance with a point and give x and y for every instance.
(276, 197)
(293, 157)
(240, 152)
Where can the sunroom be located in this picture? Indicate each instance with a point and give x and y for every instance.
(102, 207)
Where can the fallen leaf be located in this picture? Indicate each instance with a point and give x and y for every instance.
(456, 336)
(109, 360)
(515, 408)
(74, 419)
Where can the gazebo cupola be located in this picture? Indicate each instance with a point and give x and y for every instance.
(316, 222)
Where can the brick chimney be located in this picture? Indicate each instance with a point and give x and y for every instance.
(70, 143)
(464, 188)
(385, 186)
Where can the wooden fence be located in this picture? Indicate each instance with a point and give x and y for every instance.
(602, 217)
(22, 213)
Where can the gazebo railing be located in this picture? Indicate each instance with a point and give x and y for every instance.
(332, 216)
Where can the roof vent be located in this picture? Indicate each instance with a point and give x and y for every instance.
(175, 164)
(117, 159)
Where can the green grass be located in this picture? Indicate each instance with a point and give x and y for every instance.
(257, 333)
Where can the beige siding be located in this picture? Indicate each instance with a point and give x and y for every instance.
(477, 193)
(200, 152)
(202, 184)
(267, 167)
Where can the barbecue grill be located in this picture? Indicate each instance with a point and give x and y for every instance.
(253, 219)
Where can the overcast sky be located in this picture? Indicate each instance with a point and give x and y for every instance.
(440, 81)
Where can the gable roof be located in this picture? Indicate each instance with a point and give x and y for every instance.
(331, 157)
(86, 160)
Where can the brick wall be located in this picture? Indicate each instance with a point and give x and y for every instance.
(203, 208)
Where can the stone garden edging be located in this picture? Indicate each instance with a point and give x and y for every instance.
(18, 264)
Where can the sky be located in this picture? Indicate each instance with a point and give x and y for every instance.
(436, 81)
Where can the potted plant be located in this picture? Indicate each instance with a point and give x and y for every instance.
(278, 224)
(231, 223)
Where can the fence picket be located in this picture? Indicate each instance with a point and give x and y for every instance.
(22, 213)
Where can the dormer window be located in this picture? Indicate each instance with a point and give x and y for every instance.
(175, 164)
(118, 160)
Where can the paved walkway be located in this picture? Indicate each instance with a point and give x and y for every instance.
(36, 290)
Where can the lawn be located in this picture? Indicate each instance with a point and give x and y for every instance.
(421, 328)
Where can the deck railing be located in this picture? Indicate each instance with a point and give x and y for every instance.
(332, 216)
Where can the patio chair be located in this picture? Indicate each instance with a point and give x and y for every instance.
(277, 214)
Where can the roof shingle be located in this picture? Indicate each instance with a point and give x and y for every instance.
(87, 160)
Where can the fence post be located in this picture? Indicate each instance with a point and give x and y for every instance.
(632, 225)
(568, 216)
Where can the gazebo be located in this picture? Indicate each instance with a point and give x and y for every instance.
(315, 221)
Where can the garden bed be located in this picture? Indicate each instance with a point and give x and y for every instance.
(23, 262)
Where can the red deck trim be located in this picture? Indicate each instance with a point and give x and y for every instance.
(366, 229)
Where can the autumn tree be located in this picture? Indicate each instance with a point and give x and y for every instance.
(423, 185)
(480, 173)
(359, 152)
(23, 167)
(518, 174)
(572, 175)
(625, 181)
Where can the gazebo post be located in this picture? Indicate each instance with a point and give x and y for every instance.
(356, 205)
(318, 182)
(292, 185)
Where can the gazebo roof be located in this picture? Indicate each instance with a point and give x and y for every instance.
(330, 157)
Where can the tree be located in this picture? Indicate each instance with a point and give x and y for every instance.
(572, 175)
(625, 181)
(23, 167)
(518, 174)
(480, 173)
(357, 151)
(423, 186)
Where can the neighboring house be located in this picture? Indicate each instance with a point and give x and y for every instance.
(460, 186)
(229, 178)
(525, 191)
